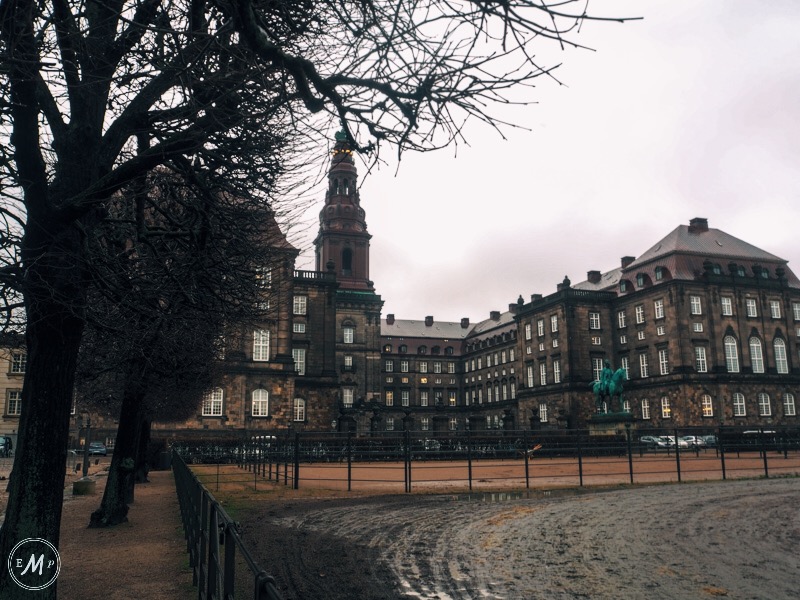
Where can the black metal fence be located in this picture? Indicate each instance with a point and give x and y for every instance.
(516, 458)
(222, 567)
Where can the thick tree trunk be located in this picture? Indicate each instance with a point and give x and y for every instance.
(36, 485)
(114, 506)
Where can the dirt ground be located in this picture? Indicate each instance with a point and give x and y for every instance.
(734, 539)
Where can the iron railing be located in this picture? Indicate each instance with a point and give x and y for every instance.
(222, 566)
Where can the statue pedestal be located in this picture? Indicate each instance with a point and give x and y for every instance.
(610, 423)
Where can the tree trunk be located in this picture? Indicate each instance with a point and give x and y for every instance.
(36, 485)
(114, 506)
(143, 456)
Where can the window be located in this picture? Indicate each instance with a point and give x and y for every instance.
(541, 347)
(659, 273)
(261, 344)
(756, 355)
(700, 363)
(502, 359)
(299, 327)
(697, 327)
(405, 397)
(389, 423)
(543, 373)
(212, 403)
(348, 362)
(513, 387)
(738, 405)
(621, 320)
(750, 306)
(764, 406)
(528, 331)
(553, 323)
(423, 366)
(511, 355)
(348, 333)
(423, 398)
(625, 365)
(644, 370)
(623, 339)
(727, 307)
(640, 335)
(402, 349)
(707, 405)
(19, 362)
(556, 371)
(594, 320)
(388, 366)
(389, 398)
(555, 343)
(788, 405)
(596, 341)
(775, 309)
(640, 280)
(404, 366)
(696, 306)
(658, 306)
(639, 314)
(437, 366)
(781, 362)
(451, 397)
(452, 423)
(489, 360)
(299, 409)
(623, 286)
(597, 368)
(299, 356)
(529, 373)
(645, 409)
(661, 330)
(543, 412)
(425, 423)
(422, 350)
(796, 310)
(666, 409)
(299, 305)
(14, 403)
(264, 278)
(663, 361)
(731, 354)
(347, 396)
(540, 327)
(260, 403)
(451, 367)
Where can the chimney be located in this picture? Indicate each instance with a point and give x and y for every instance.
(593, 276)
(535, 297)
(390, 319)
(626, 260)
(698, 225)
(464, 323)
(494, 315)
(428, 321)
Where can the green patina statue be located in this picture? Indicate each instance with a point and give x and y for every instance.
(608, 386)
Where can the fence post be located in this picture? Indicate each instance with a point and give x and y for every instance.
(469, 457)
(677, 454)
(763, 445)
(296, 482)
(580, 459)
(349, 460)
(525, 445)
(721, 447)
(407, 460)
(630, 451)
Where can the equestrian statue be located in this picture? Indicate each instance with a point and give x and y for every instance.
(608, 386)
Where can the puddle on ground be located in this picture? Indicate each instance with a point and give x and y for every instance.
(493, 497)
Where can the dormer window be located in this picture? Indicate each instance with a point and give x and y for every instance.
(659, 273)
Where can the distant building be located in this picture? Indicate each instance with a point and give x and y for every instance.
(705, 325)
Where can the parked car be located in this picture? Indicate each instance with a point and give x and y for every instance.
(98, 448)
(695, 441)
(671, 442)
(649, 441)
(710, 440)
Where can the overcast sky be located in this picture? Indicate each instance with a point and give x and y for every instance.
(692, 112)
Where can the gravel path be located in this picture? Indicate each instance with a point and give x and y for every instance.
(736, 539)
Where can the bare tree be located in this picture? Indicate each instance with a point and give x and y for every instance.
(97, 93)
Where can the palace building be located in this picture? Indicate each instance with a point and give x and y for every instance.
(705, 326)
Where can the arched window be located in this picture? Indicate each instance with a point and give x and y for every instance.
(781, 360)
(764, 405)
(299, 409)
(756, 355)
(731, 354)
(347, 261)
(788, 405)
(212, 403)
(739, 409)
(707, 404)
(260, 406)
